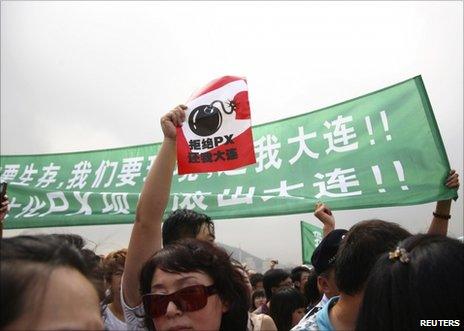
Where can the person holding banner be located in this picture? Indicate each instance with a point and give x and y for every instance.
(146, 232)
(145, 250)
(370, 238)
(324, 214)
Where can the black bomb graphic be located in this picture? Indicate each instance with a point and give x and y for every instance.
(206, 120)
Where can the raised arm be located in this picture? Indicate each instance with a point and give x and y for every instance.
(324, 214)
(442, 215)
(146, 233)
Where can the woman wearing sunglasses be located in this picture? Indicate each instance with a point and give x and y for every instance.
(192, 285)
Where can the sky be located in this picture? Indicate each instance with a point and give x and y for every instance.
(79, 76)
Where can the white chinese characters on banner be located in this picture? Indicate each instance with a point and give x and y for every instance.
(86, 178)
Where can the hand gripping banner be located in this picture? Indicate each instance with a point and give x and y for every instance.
(217, 133)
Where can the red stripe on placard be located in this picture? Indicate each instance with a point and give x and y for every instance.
(215, 84)
(243, 145)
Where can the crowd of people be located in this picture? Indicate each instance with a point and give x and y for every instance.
(374, 276)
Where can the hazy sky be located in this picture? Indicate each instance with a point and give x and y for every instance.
(93, 75)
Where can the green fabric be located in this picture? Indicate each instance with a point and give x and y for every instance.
(336, 161)
(311, 236)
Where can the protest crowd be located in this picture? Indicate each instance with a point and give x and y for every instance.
(374, 276)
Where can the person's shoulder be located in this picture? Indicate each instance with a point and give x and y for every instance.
(307, 324)
(260, 310)
(133, 315)
(267, 323)
(262, 322)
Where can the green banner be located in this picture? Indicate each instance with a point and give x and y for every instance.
(311, 237)
(381, 149)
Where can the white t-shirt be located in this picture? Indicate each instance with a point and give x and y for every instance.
(112, 322)
(134, 316)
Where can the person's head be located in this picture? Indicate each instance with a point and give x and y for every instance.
(310, 290)
(258, 298)
(113, 266)
(185, 223)
(193, 284)
(275, 279)
(93, 261)
(256, 281)
(246, 279)
(287, 308)
(421, 279)
(299, 276)
(71, 238)
(361, 247)
(44, 285)
(323, 261)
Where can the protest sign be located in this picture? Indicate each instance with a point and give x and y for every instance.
(217, 133)
(311, 237)
(380, 149)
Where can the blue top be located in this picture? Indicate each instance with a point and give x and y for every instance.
(322, 316)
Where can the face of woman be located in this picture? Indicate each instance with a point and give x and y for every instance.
(297, 315)
(69, 302)
(259, 301)
(174, 319)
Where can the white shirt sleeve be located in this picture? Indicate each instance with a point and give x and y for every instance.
(134, 316)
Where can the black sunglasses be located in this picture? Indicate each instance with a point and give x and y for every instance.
(189, 298)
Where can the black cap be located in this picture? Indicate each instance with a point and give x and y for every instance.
(324, 255)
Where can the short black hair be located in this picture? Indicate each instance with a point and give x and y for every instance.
(284, 302)
(360, 248)
(399, 294)
(259, 293)
(26, 264)
(184, 223)
(296, 273)
(272, 278)
(255, 279)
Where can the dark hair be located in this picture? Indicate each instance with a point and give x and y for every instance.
(359, 250)
(184, 223)
(311, 291)
(26, 265)
(272, 278)
(283, 303)
(296, 273)
(259, 293)
(255, 279)
(94, 262)
(400, 294)
(71, 238)
(191, 255)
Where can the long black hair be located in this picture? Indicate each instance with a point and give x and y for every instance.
(421, 280)
(191, 255)
(283, 303)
